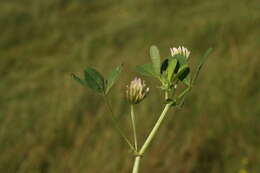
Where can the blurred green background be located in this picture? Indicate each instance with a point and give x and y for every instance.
(50, 124)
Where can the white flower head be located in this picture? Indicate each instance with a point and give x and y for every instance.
(136, 91)
(180, 50)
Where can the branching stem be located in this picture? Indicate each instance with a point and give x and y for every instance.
(150, 138)
(117, 127)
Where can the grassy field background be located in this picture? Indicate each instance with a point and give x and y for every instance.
(50, 124)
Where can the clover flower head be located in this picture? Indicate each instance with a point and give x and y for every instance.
(136, 91)
(180, 50)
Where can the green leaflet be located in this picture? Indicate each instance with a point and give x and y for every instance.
(182, 59)
(203, 60)
(156, 60)
(94, 80)
(187, 80)
(112, 77)
(172, 63)
(146, 70)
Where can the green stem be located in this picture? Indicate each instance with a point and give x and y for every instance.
(154, 130)
(136, 164)
(150, 138)
(134, 127)
(184, 92)
(121, 133)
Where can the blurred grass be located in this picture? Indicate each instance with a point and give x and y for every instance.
(48, 123)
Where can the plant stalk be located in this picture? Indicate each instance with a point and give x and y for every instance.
(154, 130)
(134, 127)
(136, 164)
(150, 138)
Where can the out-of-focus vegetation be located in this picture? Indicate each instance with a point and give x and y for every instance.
(50, 124)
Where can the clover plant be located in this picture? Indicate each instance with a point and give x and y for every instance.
(170, 72)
